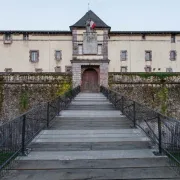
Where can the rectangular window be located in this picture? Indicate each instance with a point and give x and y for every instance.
(34, 56)
(123, 55)
(148, 69)
(148, 55)
(143, 37)
(57, 69)
(7, 38)
(169, 70)
(8, 69)
(68, 69)
(80, 49)
(173, 38)
(123, 68)
(173, 55)
(58, 55)
(99, 48)
(25, 37)
(38, 70)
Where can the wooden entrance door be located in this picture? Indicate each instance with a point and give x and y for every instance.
(90, 81)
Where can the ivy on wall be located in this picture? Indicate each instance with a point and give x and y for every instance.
(21, 91)
(159, 91)
(24, 101)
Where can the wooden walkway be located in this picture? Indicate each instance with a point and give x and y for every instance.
(91, 140)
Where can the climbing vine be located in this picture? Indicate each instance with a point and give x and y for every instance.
(24, 100)
(163, 97)
(158, 90)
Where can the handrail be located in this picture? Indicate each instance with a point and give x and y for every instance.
(163, 131)
(16, 134)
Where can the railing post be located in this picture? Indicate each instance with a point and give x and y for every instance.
(59, 105)
(122, 105)
(23, 136)
(47, 114)
(134, 113)
(115, 99)
(160, 134)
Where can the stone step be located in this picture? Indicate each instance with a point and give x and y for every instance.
(103, 163)
(152, 173)
(91, 108)
(95, 123)
(92, 113)
(89, 127)
(89, 139)
(109, 119)
(95, 102)
(87, 146)
(81, 155)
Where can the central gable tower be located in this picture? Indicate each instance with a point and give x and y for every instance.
(90, 50)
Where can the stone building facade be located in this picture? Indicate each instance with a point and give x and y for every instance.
(89, 53)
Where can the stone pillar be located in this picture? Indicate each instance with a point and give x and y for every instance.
(76, 72)
(105, 44)
(104, 74)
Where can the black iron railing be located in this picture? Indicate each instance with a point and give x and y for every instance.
(18, 133)
(164, 132)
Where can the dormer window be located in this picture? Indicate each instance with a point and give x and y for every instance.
(7, 38)
(25, 37)
(173, 38)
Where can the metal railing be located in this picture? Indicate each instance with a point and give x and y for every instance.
(18, 133)
(164, 132)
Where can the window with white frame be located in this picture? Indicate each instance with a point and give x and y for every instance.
(80, 49)
(148, 68)
(169, 69)
(57, 69)
(99, 48)
(148, 55)
(123, 55)
(173, 55)
(34, 56)
(123, 68)
(58, 55)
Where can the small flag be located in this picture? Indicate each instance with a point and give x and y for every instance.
(92, 24)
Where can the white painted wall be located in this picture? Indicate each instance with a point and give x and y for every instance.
(136, 47)
(16, 55)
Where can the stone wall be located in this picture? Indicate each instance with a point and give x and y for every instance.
(21, 91)
(159, 91)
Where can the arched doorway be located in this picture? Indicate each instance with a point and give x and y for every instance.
(90, 80)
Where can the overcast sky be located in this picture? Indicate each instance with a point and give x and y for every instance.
(121, 15)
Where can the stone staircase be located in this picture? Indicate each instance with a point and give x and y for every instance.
(91, 140)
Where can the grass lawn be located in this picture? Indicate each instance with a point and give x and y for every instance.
(4, 156)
